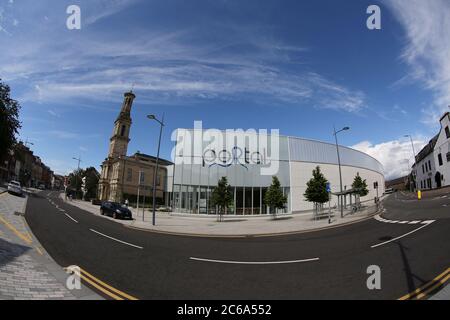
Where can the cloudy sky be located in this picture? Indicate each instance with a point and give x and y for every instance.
(297, 66)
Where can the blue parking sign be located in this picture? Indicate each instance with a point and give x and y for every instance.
(328, 186)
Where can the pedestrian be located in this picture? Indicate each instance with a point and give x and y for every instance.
(126, 203)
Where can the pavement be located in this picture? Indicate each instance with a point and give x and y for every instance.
(232, 226)
(27, 272)
(408, 242)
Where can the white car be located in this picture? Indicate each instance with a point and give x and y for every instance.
(15, 188)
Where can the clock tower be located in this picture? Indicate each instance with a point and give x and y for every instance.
(118, 144)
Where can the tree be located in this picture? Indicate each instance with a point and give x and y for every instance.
(274, 197)
(91, 177)
(360, 185)
(75, 182)
(9, 119)
(316, 190)
(222, 196)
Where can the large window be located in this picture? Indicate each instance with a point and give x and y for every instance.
(447, 132)
(440, 159)
(129, 174)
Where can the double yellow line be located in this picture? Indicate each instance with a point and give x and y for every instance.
(24, 236)
(104, 287)
(424, 291)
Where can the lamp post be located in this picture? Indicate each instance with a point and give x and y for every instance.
(161, 124)
(415, 163)
(79, 160)
(339, 163)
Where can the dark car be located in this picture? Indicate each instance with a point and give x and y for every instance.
(115, 210)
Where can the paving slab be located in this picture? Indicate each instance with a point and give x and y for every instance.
(27, 272)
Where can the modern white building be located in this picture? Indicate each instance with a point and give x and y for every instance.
(442, 153)
(249, 159)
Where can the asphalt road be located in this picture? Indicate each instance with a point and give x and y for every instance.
(157, 266)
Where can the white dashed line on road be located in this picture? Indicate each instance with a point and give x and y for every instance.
(71, 218)
(254, 262)
(106, 236)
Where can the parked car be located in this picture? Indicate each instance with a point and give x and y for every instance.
(115, 210)
(164, 209)
(15, 188)
(41, 187)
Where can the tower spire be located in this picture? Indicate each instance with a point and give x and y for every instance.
(120, 138)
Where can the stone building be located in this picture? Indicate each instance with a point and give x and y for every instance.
(123, 177)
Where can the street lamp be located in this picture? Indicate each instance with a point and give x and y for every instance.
(78, 171)
(161, 124)
(415, 163)
(339, 163)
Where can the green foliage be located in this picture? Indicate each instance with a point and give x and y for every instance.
(316, 190)
(75, 182)
(9, 119)
(360, 185)
(274, 197)
(91, 182)
(222, 195)
(92, 178)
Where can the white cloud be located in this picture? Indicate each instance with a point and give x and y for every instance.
(101, 9)
(427, 49)
(166, 66)
(396, 156)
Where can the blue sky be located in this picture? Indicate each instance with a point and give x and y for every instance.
(297, 66)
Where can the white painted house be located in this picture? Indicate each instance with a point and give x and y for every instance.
(442, 153)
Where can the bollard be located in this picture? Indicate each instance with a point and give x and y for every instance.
(419, 195)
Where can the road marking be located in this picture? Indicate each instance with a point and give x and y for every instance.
(254, 262)
(71, 218)
(105, 288)
(127, 243)
(428, 287)
(414, 222)
(22, 236)
(402, 236)
(428, 221)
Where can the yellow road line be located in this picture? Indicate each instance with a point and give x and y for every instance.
(425, 288)
(437, 285)
(22, 236)
(85, 275)
(40, 251)
(100, 288)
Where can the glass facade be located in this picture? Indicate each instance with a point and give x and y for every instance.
(247, 159)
